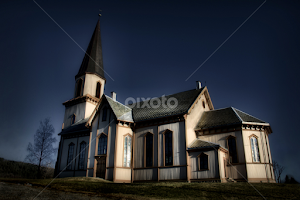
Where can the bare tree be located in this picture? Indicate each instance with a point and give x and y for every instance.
(278, 169)
(40, 153)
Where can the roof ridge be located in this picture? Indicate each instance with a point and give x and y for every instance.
(118, 102)
(92, 61)
(168, 95)
(237, 114)
(217, 109)
(208, 142)
(248, 114)
(192, 142)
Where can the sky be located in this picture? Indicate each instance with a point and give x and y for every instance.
(248, 52)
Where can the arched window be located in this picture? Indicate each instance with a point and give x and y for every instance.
(104, 114)
(168, 150)
(79, 87)
(149, 149)
(203, 161)
(70, 156)
(254, 149)
(102, 144)
(73, 118)
(232, 149)
(98, 90)
(127, 151)
(81, 155)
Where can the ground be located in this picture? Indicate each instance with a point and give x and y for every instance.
(17, 191)
(94, 188)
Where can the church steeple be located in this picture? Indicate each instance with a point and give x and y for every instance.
(93, 62)
(89, 83)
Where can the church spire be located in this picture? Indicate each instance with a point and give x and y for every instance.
(93, 62)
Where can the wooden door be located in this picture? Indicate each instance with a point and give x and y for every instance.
(101, 167)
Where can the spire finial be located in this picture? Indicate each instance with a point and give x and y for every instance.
(100, 13)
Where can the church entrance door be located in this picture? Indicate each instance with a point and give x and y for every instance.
(101, 167)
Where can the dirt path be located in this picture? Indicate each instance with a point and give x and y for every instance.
(17, 191)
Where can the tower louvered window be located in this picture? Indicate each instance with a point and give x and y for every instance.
(98, 90)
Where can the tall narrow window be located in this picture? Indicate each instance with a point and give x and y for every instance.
(70, 156)
(232, 149)
(104, 114)
(102, 144)
(79, 88)
(203, 161)
(168, 148)
(81, 155)
(73, 118)
(149, 149)
(254, 149)
(127, 151)
(98, 90)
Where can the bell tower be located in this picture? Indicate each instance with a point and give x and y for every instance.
(89, 83)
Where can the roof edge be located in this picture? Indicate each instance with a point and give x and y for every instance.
(232, 108)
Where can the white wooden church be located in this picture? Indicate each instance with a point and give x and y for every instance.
(192, 141)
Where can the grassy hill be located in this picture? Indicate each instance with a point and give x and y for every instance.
(14, 169)
(167, 190)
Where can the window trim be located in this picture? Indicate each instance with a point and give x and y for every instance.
(97, 144)
(98, 89)
(164, 149)
(82, 142)
(145, 149)
(69, 167)
(74, 115)
(124, 136)
(203, 104)
(199, 158)
(256, 137)
(237, 155)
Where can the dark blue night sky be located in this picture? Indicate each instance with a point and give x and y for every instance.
(150, 48)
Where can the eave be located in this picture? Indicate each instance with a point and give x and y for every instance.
(81, 99)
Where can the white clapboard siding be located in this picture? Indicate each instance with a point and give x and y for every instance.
(213, 165)
(172, 173)
(145, 174)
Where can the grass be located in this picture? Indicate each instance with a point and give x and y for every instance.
(166, 190)
(15, 169)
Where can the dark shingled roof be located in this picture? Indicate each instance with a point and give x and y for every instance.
(121, 111)
(224, 117)
(185, 100)
(74, 128)
(246, 117)
(92, 61)
(198, 144)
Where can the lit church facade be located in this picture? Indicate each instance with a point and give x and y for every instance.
(191, 141)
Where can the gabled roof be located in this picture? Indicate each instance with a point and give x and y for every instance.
(225, 117)
(185, 100)
(122, 112)
(93, 61)
(201, 144)
(77, 127)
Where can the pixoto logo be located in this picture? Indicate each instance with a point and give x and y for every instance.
(156, 102)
